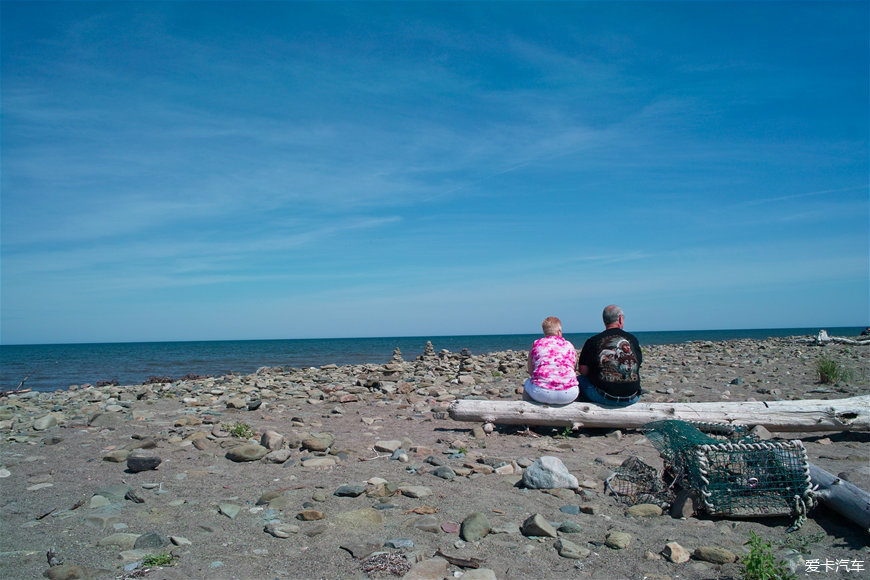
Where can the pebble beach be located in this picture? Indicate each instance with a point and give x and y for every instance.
(358, 471)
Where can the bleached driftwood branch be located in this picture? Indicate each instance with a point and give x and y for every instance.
(822, 339)
(852, 414)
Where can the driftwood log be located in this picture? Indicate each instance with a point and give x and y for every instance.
(841, 496)
(822, 339)
(852, 414)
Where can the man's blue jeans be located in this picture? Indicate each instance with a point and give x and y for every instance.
(590, 393)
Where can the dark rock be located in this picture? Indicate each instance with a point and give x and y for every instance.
(137, 463)
(685, 505)
(151, 539)
(349, 491)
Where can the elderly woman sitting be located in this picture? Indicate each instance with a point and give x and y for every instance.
(552, 359)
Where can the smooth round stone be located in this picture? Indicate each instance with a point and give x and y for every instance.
(138, 463)
(117, 456)
(249, 452)
(617, 540)
(98, 501)
(318, 441)
(644, 510)
(474, 527)
(5, 473)
(714, 555)
(310, 515)
(570, 509)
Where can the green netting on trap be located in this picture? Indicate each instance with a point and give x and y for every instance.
(734, 474)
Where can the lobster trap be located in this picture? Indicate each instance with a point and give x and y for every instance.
(730, 472)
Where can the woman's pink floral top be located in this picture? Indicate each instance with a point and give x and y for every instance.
(554, 359)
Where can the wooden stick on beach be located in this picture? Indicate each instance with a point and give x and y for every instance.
(852, 414)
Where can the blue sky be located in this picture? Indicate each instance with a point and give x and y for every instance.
(175, 171)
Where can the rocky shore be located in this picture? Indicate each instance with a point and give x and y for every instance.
(358, 471)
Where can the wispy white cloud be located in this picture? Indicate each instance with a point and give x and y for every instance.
(786, 198)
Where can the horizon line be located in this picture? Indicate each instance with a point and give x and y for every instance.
(421, 336)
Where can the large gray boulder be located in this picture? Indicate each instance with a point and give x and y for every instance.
(548, 472)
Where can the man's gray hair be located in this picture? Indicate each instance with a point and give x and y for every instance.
(611, 314)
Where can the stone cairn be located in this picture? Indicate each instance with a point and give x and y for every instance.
(466, 368)
(428, 352)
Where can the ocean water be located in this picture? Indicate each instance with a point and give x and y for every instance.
(50, 367)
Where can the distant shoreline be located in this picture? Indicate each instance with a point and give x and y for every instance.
(56, 367)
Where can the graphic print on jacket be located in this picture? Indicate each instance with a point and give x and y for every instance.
(616, 361)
